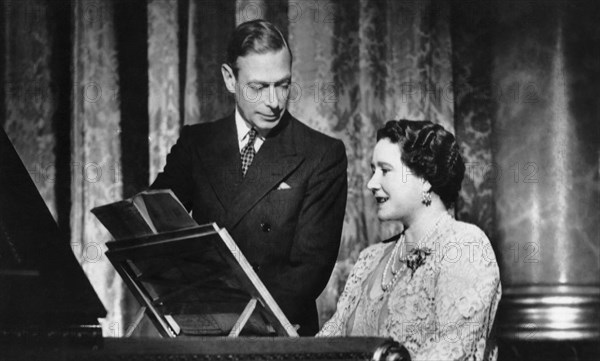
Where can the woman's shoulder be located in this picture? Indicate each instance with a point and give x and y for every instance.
(467, 245)
(465, 232)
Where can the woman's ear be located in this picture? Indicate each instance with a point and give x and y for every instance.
(426, 186)
(426, 193)
(228, 78)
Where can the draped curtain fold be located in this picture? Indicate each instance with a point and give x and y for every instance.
(356, 65)
(96, 149)
(163, 80)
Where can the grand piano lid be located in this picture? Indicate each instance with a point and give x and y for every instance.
(41, 282)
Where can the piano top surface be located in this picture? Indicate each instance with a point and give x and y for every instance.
(42, 281)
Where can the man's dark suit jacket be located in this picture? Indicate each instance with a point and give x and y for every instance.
(290, 236)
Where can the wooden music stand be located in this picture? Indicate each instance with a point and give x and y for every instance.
(197, 282)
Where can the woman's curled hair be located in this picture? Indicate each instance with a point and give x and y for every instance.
(430, 152)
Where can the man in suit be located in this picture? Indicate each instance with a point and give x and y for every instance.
(278, 186)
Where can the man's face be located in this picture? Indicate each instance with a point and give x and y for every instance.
(261, 87)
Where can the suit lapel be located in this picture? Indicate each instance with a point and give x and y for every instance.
(274, 161)
(222, 158)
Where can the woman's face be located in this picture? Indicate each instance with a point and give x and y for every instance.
(396, 189)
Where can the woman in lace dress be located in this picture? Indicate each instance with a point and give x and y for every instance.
(435, 287)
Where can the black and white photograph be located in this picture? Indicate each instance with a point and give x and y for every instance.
(385, 180)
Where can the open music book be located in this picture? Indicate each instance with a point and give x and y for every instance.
(146, 213)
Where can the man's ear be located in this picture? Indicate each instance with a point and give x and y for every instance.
(228, 78)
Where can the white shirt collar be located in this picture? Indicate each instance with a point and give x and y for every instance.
(243, 129)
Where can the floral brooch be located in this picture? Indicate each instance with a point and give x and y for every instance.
(416, 258)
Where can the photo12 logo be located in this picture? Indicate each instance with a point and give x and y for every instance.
(517, 172)
(313, 11)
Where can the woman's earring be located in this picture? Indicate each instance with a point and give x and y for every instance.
(426, 198)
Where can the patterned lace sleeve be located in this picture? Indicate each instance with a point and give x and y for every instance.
(466, 298)
(336, 326)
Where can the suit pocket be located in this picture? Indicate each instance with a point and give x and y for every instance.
(282, 206)
(285, 195)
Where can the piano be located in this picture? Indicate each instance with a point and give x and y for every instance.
(49, 310)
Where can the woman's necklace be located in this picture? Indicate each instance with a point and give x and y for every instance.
(386, 286)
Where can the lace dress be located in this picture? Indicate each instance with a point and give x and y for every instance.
(443, 311)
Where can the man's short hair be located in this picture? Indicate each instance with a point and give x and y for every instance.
(256, 36)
